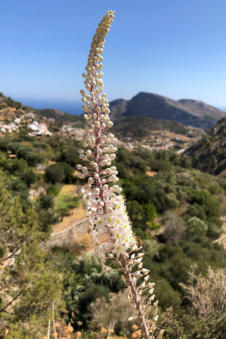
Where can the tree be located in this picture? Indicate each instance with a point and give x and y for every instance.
(29, 177)
(69, 155)
(136, 214)
(28, 284)
(55, 173)
(46, 201)
(59, 172)
(208, 202)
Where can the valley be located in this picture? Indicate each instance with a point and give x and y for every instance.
(176, 207)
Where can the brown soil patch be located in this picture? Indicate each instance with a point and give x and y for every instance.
(50, 162)
(222, 239)
(76, 215)
(180, 211)
(40, 171)
(223, 235)
(151, 173)
(81, 244)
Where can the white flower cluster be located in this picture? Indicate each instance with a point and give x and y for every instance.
(93, 78)
(110, 225)
(109, 222)
(112, 232)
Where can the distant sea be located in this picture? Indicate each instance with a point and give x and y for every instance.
(72, 107)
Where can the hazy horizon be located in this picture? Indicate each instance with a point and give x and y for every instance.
(67, 106)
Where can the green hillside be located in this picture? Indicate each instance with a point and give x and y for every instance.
(175, 215)
(209, 154)
(138, 127)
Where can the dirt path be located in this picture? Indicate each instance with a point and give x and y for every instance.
(222, 239)
(76, 215)
(67, 236)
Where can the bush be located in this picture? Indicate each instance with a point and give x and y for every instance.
(59, 172)
(150, 212)
(166, 295)
(196, 210)
(18, 188)
(214, 228)
(28, 280)
(172, 200)
(196, 229)
(46, 219)
(53, 190)
(114, 312)
(46, 202)
(55, 173)
(209, 203)
(70, 155)
(136, 214)
(30, 177)
(174, 228)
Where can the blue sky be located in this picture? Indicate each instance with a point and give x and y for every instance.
(175, 48)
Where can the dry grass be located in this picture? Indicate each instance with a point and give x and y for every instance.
(40, 172)
(82, 244)
(68, 189)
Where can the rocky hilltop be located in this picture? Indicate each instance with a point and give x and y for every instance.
(155, 133)
(184, 111)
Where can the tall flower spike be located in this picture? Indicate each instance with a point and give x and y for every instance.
(109, 222)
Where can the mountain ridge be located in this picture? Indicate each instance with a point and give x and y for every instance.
(185, 111)
(142, 114)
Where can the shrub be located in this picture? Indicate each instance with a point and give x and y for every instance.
(166, 295)
(113, 313)
(55, 173)
(207, 294)
(30, 177)
(136, 213)
(209, 203)
(46, 202)
(53, 190)
(196, 228)
(27, 277)
(174, 228)
(59, 172)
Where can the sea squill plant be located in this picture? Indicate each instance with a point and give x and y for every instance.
(109, 222)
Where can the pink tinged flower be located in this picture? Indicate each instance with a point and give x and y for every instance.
(109, 222)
